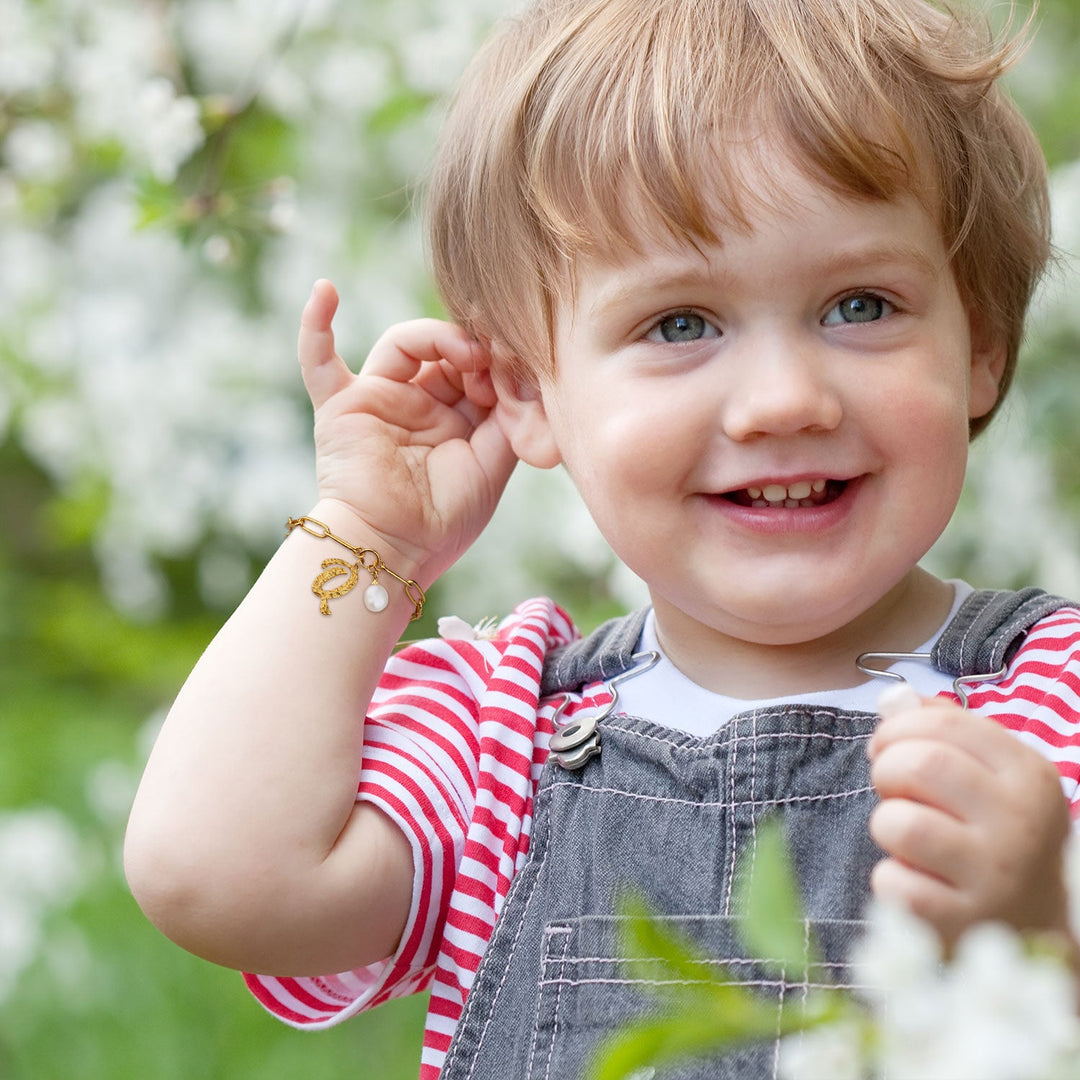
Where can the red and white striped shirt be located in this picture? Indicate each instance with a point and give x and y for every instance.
(454, 743)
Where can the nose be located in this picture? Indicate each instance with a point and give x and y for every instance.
(780, 387)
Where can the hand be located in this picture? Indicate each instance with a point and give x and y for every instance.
(410, 444)
(972, 820)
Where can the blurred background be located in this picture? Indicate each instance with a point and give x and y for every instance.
(173, 177)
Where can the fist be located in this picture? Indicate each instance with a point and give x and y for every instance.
(973, 822)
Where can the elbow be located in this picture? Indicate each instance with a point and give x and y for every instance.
(169, 889)
(187, 894)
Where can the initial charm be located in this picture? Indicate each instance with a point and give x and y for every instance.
(333, 568)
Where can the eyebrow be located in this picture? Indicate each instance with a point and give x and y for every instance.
(624, 288)
(628, 287)
(871, 255)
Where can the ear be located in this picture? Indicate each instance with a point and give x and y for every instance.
(521, 412)
(989, 355)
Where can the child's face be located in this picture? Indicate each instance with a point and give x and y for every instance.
(773, 431)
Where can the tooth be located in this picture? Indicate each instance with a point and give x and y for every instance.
(801, 490)
(774, 492)
(791, 503)
(754, 493)
(818, 486)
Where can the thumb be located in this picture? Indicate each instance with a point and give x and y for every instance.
(323, 370)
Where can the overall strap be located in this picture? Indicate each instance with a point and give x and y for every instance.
(982, 637)
(608, 651)
(990, 626)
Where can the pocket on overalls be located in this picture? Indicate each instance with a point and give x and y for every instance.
(587, 992)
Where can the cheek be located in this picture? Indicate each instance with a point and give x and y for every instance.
(648, 443)
(928, 407)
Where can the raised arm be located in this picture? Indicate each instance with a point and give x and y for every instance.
(245, 843)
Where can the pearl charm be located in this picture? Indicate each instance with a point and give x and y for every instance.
(376, 598)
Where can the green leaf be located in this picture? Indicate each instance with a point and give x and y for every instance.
(707, 1009)
(398, 110)
(767, 892)
(157, 203)
(649, 945)
(657, 1043)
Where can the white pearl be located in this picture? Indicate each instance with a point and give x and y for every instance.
(376, 598)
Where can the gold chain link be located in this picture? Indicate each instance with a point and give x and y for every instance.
(366, 559)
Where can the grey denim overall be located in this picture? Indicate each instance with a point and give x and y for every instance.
(669, 814)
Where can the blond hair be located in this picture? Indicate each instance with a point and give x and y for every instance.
(578, 103)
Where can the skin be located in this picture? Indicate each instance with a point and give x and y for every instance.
(776, 386)
(245, 843)
(973, 823)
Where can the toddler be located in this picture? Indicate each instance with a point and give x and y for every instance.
(754, 272)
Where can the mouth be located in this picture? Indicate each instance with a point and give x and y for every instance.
(801, 494)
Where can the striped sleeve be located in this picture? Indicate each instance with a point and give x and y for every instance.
(1039, 698)
(452, 745)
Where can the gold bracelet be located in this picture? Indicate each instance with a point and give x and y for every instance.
(376, 597)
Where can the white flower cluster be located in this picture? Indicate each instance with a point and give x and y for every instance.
(996, 1011)
(156, 363)
(41, 869)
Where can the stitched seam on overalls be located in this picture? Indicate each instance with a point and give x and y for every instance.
(779, 1027)
(786, 801)
(705, 961)
(550, 932)
(555, 1018)
(764, 984)
(963, 644)
(753, 789)
(769, 735)
(729, 802)
(506, 969)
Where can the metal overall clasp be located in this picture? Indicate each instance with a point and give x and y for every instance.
(960, 684)
(576, 743)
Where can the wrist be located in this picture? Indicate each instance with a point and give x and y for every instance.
(382, 574)
(352, 525)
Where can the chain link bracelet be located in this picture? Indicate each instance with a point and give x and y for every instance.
(376, 598)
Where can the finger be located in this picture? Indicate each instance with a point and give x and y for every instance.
(449, 383)
(897, 698)
(442, 381)
(480, 388)
(494, 452)
(323, 371)
(404, 348)
(947, 909)
(980, 737)
(923, 838)
(936, 773)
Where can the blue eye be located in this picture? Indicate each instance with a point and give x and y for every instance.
(859, 308)
(682, 326)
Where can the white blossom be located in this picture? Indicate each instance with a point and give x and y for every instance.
(454, 628)
(996, 1011)
(36, 150)
(167, 130)
(899, 951)
(27, 49)
(110, 789)
(41, 869)
(121, 48)
(832, 1052)
(353, 78)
